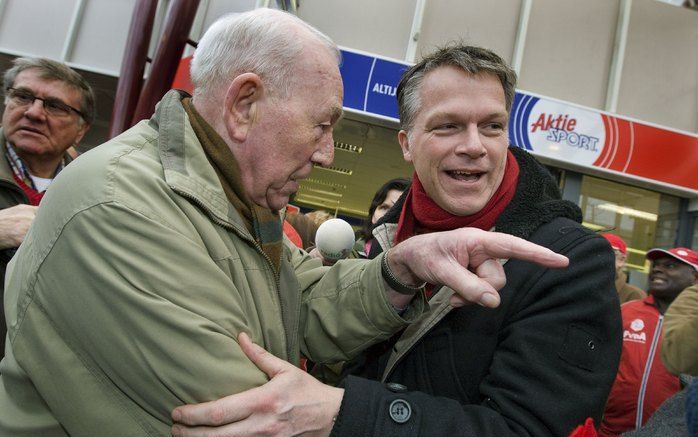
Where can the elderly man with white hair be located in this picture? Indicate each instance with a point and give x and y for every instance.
(155, 251)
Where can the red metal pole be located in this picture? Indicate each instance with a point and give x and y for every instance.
(132, 66)
(177, 27)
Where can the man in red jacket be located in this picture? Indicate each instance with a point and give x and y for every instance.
(643, 383)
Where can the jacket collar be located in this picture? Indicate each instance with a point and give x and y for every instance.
(649, 300)
(187, 170)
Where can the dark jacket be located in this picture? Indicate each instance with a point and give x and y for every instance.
(539, 364)
(692, 410)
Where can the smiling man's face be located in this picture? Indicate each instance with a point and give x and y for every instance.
(459, 140)
(32, 132)
(668, 277)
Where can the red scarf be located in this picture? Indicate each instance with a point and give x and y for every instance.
(421, 215)
(33, 195)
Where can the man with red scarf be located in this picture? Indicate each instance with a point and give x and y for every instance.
(539, 364)
(48, 109)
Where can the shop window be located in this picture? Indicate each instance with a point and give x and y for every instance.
(643, 218)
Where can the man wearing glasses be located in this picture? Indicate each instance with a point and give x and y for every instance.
(48, 108)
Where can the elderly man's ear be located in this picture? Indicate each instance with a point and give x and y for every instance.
(241, 105)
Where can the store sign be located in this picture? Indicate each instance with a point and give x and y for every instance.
(556, 131)
(370, 83)
(546, 127)
(599, 140)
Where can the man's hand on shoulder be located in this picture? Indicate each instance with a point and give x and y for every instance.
(291, 403)
(14, 224)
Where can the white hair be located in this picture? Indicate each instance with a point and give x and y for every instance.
(263, 41)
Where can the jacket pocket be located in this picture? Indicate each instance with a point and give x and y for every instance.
(580, 348)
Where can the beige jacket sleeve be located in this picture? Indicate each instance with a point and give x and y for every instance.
(347, 311)
(680, 344)
(119, 325)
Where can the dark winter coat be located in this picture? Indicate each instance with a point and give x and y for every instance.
(538, 365)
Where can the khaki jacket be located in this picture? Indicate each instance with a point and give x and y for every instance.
(680, 345)
(10, 195)
(129, 292)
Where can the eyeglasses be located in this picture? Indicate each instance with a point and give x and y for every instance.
(52, 106)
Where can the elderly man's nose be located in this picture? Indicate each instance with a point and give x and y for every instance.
(325, 154)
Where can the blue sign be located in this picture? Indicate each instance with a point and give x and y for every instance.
(370, 83)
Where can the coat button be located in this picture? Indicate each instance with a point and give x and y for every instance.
(400, 411)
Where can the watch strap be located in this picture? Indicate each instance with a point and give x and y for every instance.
(395, 283)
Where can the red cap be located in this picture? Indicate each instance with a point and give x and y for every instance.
(683, 254)
(616, 243)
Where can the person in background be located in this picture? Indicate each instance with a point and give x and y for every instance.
(319, 216)
(669, 420)
(643, 383)
(48, 109)
(383, 200)
(692, 410)
(680, 346)
(156, 258)
(626, 292)
(305, 227)
(539, 365)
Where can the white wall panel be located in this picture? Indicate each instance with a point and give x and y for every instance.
(660, 74)
(490, 24)
(218, 8)
(35, 27)
(102, 35)
(380, 27)
(568, 51)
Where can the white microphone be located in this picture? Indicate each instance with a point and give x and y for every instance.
(334, 239)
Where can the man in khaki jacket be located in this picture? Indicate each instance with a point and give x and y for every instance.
(680, 345)
(153, 252)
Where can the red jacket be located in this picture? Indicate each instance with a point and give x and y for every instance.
(642, 383)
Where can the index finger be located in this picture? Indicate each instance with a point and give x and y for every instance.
(213, 413)
(499, 245)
